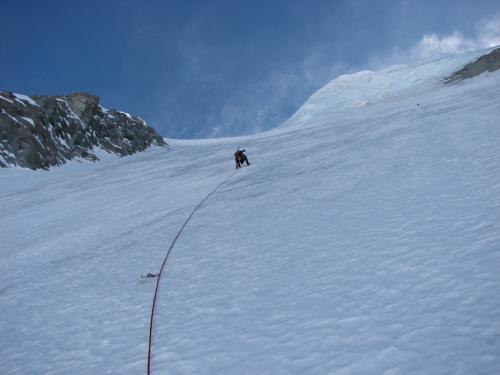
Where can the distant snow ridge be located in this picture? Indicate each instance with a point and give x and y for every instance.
(38, 132)
(367, 87)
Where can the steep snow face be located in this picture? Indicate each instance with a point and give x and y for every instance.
(367, 247)
(365, 88)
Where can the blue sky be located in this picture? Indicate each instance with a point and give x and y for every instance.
(199, 69)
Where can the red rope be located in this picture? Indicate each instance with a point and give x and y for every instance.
(163, 265)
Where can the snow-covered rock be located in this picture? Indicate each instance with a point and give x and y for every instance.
(489, 62)
(38, 132)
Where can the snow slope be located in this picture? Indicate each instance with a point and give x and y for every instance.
(365, 241)
(367, 87)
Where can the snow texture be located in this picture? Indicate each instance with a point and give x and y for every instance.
(364, 241)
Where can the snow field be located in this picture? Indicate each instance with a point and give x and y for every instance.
(369, 245)
(364, 242)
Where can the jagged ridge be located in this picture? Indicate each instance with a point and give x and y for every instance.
(43, 131)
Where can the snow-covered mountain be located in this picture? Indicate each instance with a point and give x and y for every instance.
(359, 241)
(394, 83)
(38, 132)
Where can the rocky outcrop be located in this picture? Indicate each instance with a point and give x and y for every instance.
(38, 132)
(486, 63)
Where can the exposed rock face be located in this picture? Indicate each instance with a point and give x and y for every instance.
(486, 63)
(38, 132)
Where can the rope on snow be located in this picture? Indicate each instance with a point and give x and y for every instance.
(163, 265)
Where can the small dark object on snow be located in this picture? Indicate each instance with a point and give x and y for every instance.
(150, 275)
(240, 158)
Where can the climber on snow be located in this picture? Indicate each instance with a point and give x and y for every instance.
(240, 158)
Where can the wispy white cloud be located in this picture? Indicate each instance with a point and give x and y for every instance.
(270, 100)
(433, 46)
(489, 32)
